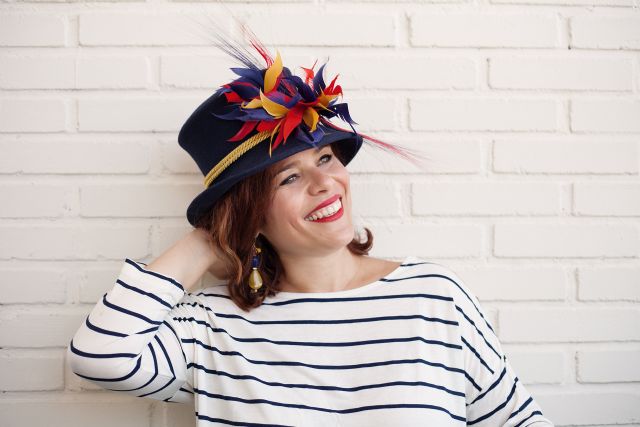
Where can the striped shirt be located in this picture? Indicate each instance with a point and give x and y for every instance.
(413, 348)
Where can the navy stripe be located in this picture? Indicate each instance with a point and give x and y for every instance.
(320, 387)
(336, 411)
(319, 344)
(477, 330)
(473, 350)
(147, 294)
(99, 355)
(308, 365)
(533, 414)
(135, 369)
(129, 312)
(236, 423)
(499, 407)
(155, 374)
(184, 356)
(494, 385)
(102, 331)
(521, 408)
(166, 355)
(153, 273)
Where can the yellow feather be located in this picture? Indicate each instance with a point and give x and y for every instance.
(272, 73)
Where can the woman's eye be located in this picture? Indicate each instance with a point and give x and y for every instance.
(288, 180)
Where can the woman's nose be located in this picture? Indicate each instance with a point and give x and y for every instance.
(319, 181)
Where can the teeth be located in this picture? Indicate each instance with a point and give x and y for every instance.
(326, 211)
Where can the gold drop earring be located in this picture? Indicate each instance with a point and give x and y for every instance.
(255, 280)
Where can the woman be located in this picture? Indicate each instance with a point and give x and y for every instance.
(307, 330)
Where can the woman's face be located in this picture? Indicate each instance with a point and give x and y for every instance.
(302, 182)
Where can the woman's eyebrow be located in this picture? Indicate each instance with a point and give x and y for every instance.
(293, 163)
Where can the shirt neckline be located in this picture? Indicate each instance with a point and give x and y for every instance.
(346, 292)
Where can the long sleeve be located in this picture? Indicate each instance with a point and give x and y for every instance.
(130, 343)
(494, 395)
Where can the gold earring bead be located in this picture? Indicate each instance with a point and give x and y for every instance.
(255, 279)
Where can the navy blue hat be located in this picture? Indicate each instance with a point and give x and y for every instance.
(205, 136)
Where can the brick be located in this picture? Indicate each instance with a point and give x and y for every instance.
(33, 29)
(35, 200)
(32, 115)
(37, 72)
(41, 327)
(606, 198)
(98, 281)
(113, 72)
(606, 366)
(440, 155)
(591, 407)
(372, 113)
(400, 240)
(188, 71)
(45, 368)
(347, 28)
(485, 198)
(536, 366)
(609, 284)
(517, 283)
(25, 285)
(374, 198)
(556, 156)
(568, 324)
(569, 2)
(454, 29)
(72, 241)
(129, 114)
(176, 160)
(139, 29)
(57, 412)
(600, 31)
(136, 200)
(605, 115)
(561, 73)
(99, 155)
(531, 240)
(483, 114)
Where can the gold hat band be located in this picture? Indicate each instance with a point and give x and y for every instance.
(234, 155)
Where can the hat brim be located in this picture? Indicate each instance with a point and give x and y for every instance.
(349, 142)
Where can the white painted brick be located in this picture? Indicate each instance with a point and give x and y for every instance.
(441, 155)
(536, 366)
(37, 72)
(604, 366)
(391, 70)
(112, 72)
(95, 156)
(98, 281)
(605, 115)
(561, 73)
(177, 415)
(483, 114)
(609, 284)
(135, 114)
(32, 115)
(176, 160)
(72, 241)
(35, 199)
(570, 2)
(46, 370)
(139, 29)
(136, 200)
(340, 28)
(600, 31)
(374, 198)
(57, 412)
(185, 71)
(591, 407)
(33, 29)
(31, 284)
(568, 324)
(400, 240)
(372, 113)
(456, 29)
(516, 283)
(606, 198)
(485, 198)
(41, 327)
(551, 155)
(566, 240)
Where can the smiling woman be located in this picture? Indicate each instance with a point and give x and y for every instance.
(307, 330)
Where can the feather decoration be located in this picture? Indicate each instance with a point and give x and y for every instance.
(270, 98)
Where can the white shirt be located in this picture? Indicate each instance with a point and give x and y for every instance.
(411, 349)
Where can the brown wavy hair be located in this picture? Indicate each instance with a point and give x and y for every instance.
(232, 225)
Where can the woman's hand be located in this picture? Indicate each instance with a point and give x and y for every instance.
(216, 266)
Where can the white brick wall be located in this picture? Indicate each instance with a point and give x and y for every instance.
(528, 112)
